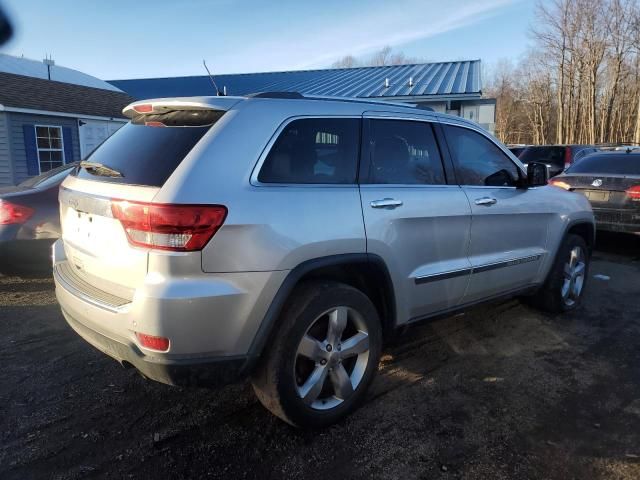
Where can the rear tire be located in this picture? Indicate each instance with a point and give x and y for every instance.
(564, 288)
(323, 356)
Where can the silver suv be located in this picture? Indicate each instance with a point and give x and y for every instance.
(284, 238)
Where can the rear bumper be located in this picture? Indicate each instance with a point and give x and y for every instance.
(617, 220)
(203, 372)
(211, 320)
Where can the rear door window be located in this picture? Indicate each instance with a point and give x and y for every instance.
(314, 151)
(404, 152)
(147, 150)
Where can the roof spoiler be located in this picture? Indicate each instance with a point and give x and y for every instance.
(165, 105)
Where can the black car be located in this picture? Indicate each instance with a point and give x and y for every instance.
(557, 157)
(611, 182)
(30, 221)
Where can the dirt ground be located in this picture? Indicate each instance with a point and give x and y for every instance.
(501, 391)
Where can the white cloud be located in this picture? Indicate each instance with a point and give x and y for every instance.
(317, 44)
(405, 27)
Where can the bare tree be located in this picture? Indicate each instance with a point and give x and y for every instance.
(552, 32)
(348, 61)
(381, 57)
(384, 56)
(581, 80)
(620, 23)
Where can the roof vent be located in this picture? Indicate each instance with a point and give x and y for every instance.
(49, 62)
(386, 82)
(411, 81)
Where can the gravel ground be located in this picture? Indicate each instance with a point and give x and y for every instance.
(501, 391)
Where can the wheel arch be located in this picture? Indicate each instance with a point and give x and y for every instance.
(584, 229)
(366, 272)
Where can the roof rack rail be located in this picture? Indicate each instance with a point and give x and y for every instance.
(275, 95)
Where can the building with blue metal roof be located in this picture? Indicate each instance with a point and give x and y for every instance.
(451, 87)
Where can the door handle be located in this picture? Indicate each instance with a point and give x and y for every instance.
(486, 201)
(389, 203)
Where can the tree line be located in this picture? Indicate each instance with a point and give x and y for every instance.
(580, 83)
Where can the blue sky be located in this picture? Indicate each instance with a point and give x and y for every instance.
(115, 39)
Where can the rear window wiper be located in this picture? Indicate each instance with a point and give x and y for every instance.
(100, 169)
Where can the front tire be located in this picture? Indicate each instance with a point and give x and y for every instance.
(565, 284)
(322, 357)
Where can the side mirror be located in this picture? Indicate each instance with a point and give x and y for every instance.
(537, 174)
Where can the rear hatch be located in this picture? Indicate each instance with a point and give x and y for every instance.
(106, 203)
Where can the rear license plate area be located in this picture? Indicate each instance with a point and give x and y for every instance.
(596, 195)
(79, 226)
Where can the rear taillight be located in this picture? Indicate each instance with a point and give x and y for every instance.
(634, 192)
(182, 228)
(152, 342)
(559, 183)
(567, 157)
(10, 213)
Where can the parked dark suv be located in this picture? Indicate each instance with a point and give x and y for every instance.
(557, 157)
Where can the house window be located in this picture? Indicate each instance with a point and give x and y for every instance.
(50, 147)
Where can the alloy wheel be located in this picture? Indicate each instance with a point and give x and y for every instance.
(574, 274)
(331, 358)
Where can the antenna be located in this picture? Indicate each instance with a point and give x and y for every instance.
(211, 77)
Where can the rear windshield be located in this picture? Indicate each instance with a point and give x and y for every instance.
(614, 163)
(144, 152)
(551, 155)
